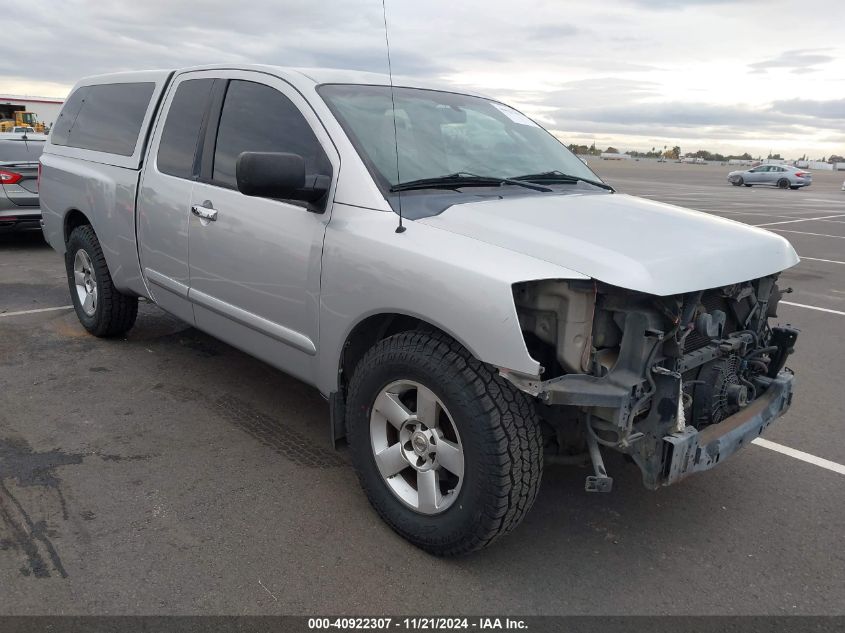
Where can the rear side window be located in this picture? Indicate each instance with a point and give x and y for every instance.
(181, 129)
(108, 118)
(258, 118)
(61, 131)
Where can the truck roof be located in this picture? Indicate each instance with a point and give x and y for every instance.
(300, 77)
(303, 80)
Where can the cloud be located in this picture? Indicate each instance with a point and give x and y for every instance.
(552, 31)
(797, 61)
(573, 113)
(612, 67)
(680, 114)
(832, 109)
(91, 37)
(683, 4)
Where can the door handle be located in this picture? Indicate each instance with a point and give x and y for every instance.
(205, 213)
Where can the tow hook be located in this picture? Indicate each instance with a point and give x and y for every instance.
(599, 482)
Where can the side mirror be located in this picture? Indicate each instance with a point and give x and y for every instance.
(278, 175)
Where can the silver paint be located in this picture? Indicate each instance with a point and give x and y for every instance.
(288, 285)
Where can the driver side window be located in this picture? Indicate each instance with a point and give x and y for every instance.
(258, 118)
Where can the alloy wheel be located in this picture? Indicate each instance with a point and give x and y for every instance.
(85, 281)
(417, 447)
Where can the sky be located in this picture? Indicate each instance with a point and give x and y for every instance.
(722, 75)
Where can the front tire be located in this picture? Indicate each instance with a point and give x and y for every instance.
(448, 452)
(102, 309)
(737, 182)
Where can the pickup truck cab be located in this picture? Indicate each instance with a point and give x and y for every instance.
(468, 295)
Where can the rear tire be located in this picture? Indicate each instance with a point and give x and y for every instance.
(495, 426)
(783, 183)
(102, 309)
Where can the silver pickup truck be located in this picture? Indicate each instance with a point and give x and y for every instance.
(467, 294)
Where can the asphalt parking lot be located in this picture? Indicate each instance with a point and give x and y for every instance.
(168, 473)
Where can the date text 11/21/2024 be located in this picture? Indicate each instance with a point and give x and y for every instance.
(418, 623)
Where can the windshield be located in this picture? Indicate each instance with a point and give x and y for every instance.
(20, 151)
(441, 133)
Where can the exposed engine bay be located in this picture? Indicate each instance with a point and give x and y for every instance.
(675, 382)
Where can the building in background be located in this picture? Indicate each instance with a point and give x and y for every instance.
(46, 109)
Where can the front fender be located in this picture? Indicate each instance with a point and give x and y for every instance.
(453, 282)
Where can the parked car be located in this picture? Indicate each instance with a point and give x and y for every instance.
(465, 294)
(781, 176)
(19, 181)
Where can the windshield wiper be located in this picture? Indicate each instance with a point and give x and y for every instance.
(463, 179)
(559, 176)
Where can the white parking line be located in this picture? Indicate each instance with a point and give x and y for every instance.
(801, 305)
(825, 217)
(788, 215)
(804, 457)
(20, 312)
(838, 237)
(765, 215)
(816, 259)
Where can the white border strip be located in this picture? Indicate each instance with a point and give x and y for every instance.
(20, 312)
(801, 305)
(838, 237)
(816, 259)
(804, 457)
(825, 217)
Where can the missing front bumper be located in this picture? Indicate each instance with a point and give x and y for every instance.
(693, 451)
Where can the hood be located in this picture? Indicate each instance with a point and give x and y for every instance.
(624, 241)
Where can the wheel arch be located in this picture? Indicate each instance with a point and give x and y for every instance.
(378, 326)
(74, 218)
(361, 337)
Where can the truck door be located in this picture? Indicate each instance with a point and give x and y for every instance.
(255, 262)
(165, 193)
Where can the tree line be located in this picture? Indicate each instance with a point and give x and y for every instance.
(674, 153)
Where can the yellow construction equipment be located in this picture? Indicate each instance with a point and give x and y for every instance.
(22, 119)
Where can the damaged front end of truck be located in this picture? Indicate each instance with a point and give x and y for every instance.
(678, 383)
